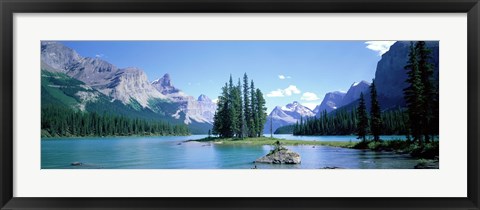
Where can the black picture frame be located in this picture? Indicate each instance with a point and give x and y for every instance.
(10, 7)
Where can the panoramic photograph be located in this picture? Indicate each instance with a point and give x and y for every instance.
(240, 104)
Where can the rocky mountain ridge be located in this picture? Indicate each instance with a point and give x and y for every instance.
(128, 85)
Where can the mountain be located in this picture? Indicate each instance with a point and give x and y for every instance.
(390, 75)
(125, 84)
(164, 85)
(59, 89)
(355, 90)
(337, 99)
(207, 107)
(286, 115)
(102, 87)
(199, 110)
(330, 102)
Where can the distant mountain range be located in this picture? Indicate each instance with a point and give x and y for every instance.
(336, 99)
(390, 81)
(93, 84)
(291, 113)
(286, 115)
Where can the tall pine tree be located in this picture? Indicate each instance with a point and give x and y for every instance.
(262, 112)
(238, 106)
(232, 109)
(362, 119)
(414, 95)
(430, 96)
(246, 105)
(222, 121)
(254, 114)
(375, 114)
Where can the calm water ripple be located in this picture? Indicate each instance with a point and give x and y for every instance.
(169, 152)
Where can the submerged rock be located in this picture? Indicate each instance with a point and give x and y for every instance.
(76, 164)
(333, 167)
(280, 155)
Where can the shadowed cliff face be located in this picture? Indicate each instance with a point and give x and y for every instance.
(330, 102)
(391, 75)
(337, 99)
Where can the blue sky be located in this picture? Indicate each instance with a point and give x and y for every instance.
(285, 71)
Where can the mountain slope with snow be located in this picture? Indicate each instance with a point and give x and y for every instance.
(199, 110)
(286, 115)
(127, 86)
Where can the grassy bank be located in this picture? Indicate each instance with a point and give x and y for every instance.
(427, 151)
(270, 141)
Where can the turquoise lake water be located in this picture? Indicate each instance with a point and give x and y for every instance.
(172, 152)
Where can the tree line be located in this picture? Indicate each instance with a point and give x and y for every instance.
(351, 122)
(240, 113)
(58, 121)
(419, 120)
(421, 95)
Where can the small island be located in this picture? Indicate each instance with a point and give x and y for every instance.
(280, 155)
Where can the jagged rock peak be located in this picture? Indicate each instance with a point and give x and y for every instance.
(164, 85)
(165, 80)
(203, 97)
(363, 82)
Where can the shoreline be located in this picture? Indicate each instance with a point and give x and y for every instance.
(262, 141)
(428, 151)
(133, 136)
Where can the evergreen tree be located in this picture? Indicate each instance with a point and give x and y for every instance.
(254, 113)
(430, 96)
(362, 124)
(222, 122)
(414, 95)
(232, 108)
(345, 122)
(246, 105)
(238, 106)
(375, 114)
(262, 112)
(58, 121)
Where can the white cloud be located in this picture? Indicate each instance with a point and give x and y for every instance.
(215, 100)
(379, 46)
(282, 77)
(309, 96)
(99, 55)
(290, 90)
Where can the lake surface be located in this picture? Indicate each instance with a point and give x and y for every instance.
(171, 152)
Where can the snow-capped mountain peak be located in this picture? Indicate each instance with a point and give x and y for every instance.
(286, 115)
(363, 82)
